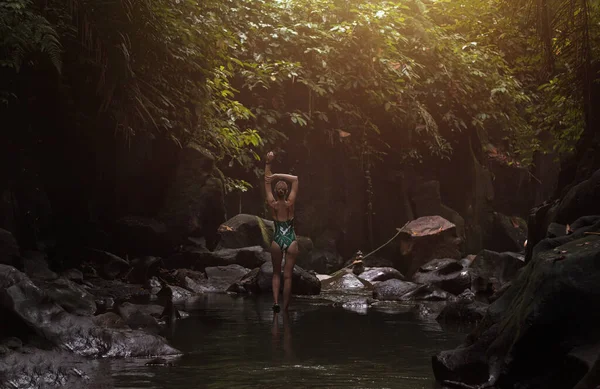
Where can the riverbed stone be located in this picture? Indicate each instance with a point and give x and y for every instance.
(490, 270)
(374, 274)
(72, 297)
(447, 274)
(345, 283)
(78, 334)
(393, 289)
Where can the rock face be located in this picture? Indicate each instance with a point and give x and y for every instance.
(195, 200)
(321, 261)
(547, 312)
(427, 238)
(245, 230)
(25, 302)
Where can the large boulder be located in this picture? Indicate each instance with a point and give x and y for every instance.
(447, 274)
(245, 230)
(23, 300)
(195, 199)
(9, 249)
(427, 238)
(220, 278)
(198, 259)
(527, 334)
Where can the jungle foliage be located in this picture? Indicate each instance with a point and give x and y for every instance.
(239, 76)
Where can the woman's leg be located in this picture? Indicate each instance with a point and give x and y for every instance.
(276, 256)
(288, 272)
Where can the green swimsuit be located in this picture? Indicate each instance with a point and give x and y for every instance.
(284, 234)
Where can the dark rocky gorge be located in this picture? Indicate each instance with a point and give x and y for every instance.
(109, 306)
(120, 293)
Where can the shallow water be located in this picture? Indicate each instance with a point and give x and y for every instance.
(233, 342)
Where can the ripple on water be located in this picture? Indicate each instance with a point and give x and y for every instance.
(235, 343)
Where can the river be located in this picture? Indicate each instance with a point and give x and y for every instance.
(237, 342)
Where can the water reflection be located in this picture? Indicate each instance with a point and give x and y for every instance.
(288, 351)
(238, 342)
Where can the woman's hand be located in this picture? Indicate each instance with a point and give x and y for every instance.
(270, 156)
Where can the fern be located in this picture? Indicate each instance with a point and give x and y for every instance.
(25, 34)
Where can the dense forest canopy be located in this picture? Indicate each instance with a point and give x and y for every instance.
(241, 76)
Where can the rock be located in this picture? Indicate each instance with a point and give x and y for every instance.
(245, 230)
(447, 274)
(249, 257)
(545, 314)
(70, 296)
(143, 269)
(109, 320)
(9, 249)
(303, 282)
(321, 261)
(195, 200)
(467, 261)
(507, 234)
(108, 265)
(137, 236)
(73, 275)
(323, 277)
(491, 270)
(346, 283)
(248, 283)
(179, 295)
(78, 334)
(373, 274)
(428, 238)
(35, 265)
(428, 202)
(105, 290)
(393, 289)
(141, 316)
(427, 293)
(221, 277)
(581, 200)
(12, 343)
(556, 230)
(463, 311)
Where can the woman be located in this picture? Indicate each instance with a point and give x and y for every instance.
(284, 239)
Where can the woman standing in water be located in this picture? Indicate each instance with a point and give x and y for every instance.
(284, 239)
